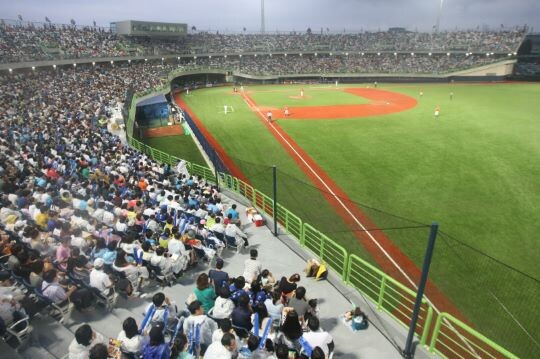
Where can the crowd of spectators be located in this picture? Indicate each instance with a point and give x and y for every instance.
(24, 43)
(29, 43)
(84, 219)
(485, 41)
(352, 63)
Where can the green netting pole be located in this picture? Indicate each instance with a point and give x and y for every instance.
(274, 176)
(408, 352)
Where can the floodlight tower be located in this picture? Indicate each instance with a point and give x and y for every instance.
(262, 17)
(439, 17)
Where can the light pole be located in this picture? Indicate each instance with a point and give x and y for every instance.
(262, 17)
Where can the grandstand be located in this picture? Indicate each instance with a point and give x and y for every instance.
(69, 185)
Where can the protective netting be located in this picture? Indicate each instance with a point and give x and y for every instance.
(494, 298)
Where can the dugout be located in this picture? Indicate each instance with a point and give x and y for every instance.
(152, 112)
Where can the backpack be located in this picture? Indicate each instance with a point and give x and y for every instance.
(360, 323)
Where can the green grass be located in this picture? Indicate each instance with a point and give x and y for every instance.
(474, 170)
(178, 145)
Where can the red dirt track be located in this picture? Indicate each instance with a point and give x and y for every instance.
(227, 161)
(164, 131)
(382, 103)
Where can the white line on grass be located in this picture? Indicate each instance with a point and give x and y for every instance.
(254, 107)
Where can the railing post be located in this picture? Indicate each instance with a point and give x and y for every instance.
(436, 331)
(275, 209)
(427, 324)
(408, 351)
(380, 300)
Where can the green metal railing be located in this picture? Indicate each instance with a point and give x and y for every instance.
(454, 339)
(327, 250)
(450, 338)
(203, 172)
(290, 221)
(390, 295)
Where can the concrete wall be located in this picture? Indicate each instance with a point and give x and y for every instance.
(503, 68)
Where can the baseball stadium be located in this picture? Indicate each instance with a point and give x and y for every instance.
(173, 192)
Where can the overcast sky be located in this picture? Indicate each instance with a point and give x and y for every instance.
(233, 15)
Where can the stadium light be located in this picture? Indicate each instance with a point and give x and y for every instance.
(162, 59)
(112, 62)
(412, 53)
(195, 57)
(487, 53)
(300, 54)
(378, 54)
(74, 65)
(429, 54)
(492, 54)
(54, 66)
(33, 68)
(239, 55)
(447, 54)
(10, 70)
(515, 53)
(509, 54)
(210, 56)
(362, 54)
(315, 54)
(225, 56)
(145, 60)
(178, 58)
(330, 54)
(255, 55)
(395, 53)
(93, 64)
(129, 61)
(346, 54)
(283, 55)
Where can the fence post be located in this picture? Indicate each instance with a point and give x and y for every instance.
(275, 209)
(408, 351)
(381, 293)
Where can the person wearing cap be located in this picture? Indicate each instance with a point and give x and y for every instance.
(99, 279)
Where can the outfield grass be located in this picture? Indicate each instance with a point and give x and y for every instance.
(474, 170)
(178, 145)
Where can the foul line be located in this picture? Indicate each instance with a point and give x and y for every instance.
(253, 106)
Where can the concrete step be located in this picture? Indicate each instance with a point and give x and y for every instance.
(9, 352)
(49, 339)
